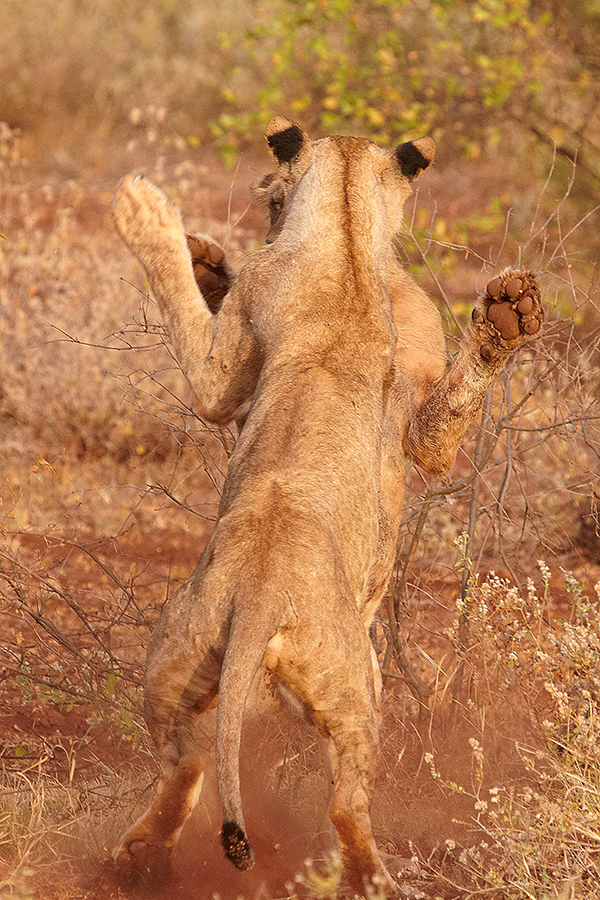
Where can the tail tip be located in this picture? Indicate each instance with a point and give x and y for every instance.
(236, 846)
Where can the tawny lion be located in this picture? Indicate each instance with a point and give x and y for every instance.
(333, 398)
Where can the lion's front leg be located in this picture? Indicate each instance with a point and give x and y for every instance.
(507, 315)
(151, 227)
(217, 353)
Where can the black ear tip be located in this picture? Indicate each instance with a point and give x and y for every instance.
(285, 139)
(415, 156)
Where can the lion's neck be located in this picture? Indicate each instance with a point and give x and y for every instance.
(341, 221)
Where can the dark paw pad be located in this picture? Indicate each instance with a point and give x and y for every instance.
(211, 270)
(513, 305)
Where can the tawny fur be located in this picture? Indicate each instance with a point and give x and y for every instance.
(334, 398)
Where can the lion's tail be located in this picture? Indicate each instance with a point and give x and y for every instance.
(245, 650)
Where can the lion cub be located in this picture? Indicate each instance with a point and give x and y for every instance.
(334, 398)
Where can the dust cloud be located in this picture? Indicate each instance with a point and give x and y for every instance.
(286, 792)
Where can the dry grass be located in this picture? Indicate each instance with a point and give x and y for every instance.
(116, 61)
(535, 835)
(49, 822)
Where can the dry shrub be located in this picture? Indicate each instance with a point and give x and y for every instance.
(500, 688)
(85, 375)
(50, 821)
(536, 835)
(103, 464)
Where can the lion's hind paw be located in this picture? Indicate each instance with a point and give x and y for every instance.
(141, 863)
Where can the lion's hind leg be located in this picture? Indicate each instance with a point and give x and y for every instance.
(333, 674)
(182, 682)
(144, 851)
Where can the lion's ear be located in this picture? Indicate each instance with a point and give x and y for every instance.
(414, 156)
(285, 139)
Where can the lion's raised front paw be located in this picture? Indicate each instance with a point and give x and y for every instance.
(139, 862)
(214, 276)
(146, 220)
(512, 304)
